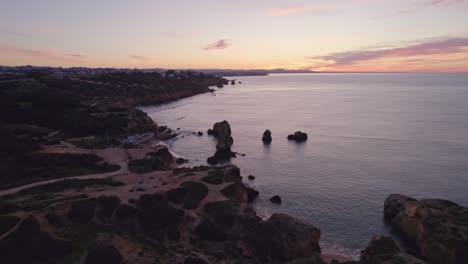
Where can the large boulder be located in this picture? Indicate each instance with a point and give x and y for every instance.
(439, 228)
(283, 238)
(266, 138)
(383, 250)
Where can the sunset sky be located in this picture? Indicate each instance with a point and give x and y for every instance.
(334, 35)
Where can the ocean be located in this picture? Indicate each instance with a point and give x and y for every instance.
(370, 135)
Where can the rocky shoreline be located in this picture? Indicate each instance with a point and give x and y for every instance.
(153, 210)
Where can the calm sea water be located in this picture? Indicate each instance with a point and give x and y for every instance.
(370, 135)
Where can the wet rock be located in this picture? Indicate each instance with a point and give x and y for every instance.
(437, 227)
(251, 177)
(82, 211)
(276, 199)
(284, 238)
(104, 254)
(383, 250)
(233, 82)
(210, 132)
(298, 136)
(200, 133)
(266, 138)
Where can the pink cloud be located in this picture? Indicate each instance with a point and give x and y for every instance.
(434, 47)
(220, 44)
(42, 53)
(136, 57)
(301, 9)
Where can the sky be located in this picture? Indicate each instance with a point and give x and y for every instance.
(333, 35)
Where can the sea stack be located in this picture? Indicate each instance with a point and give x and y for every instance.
(222, 132)
(266, 136)
(298, 136)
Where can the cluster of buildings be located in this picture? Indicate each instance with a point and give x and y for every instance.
(66, 72)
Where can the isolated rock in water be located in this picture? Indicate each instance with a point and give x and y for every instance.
(298, 136)
(251, 177)
(276, 199)
(266, 136)
(439, 228)
(283, 238)
(233, 82)
(222, 131)
(200, 133)
(104, 254)
(384, 250)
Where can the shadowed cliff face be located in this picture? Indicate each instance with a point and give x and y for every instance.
(439, 228)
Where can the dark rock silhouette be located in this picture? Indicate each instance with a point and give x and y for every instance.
(384, 250)
(200, 133)
(276, 199)
(269, 245)
(437, 227)
(298, 136)
(251, 177)
(222, 132)
(266, 138)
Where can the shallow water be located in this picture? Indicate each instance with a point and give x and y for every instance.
(370, 135)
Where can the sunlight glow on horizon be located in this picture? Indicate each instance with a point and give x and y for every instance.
(335, 35)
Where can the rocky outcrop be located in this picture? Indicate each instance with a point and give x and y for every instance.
(276, 199)
(383, 250)
(222, 132)
(439, 228)
(266, 138)
(240, 193)
(160, 159)
(298, 136)
(284, 238)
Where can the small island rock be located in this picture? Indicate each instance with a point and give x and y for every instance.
(298, 136)
(267, 136)
(276, 199)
